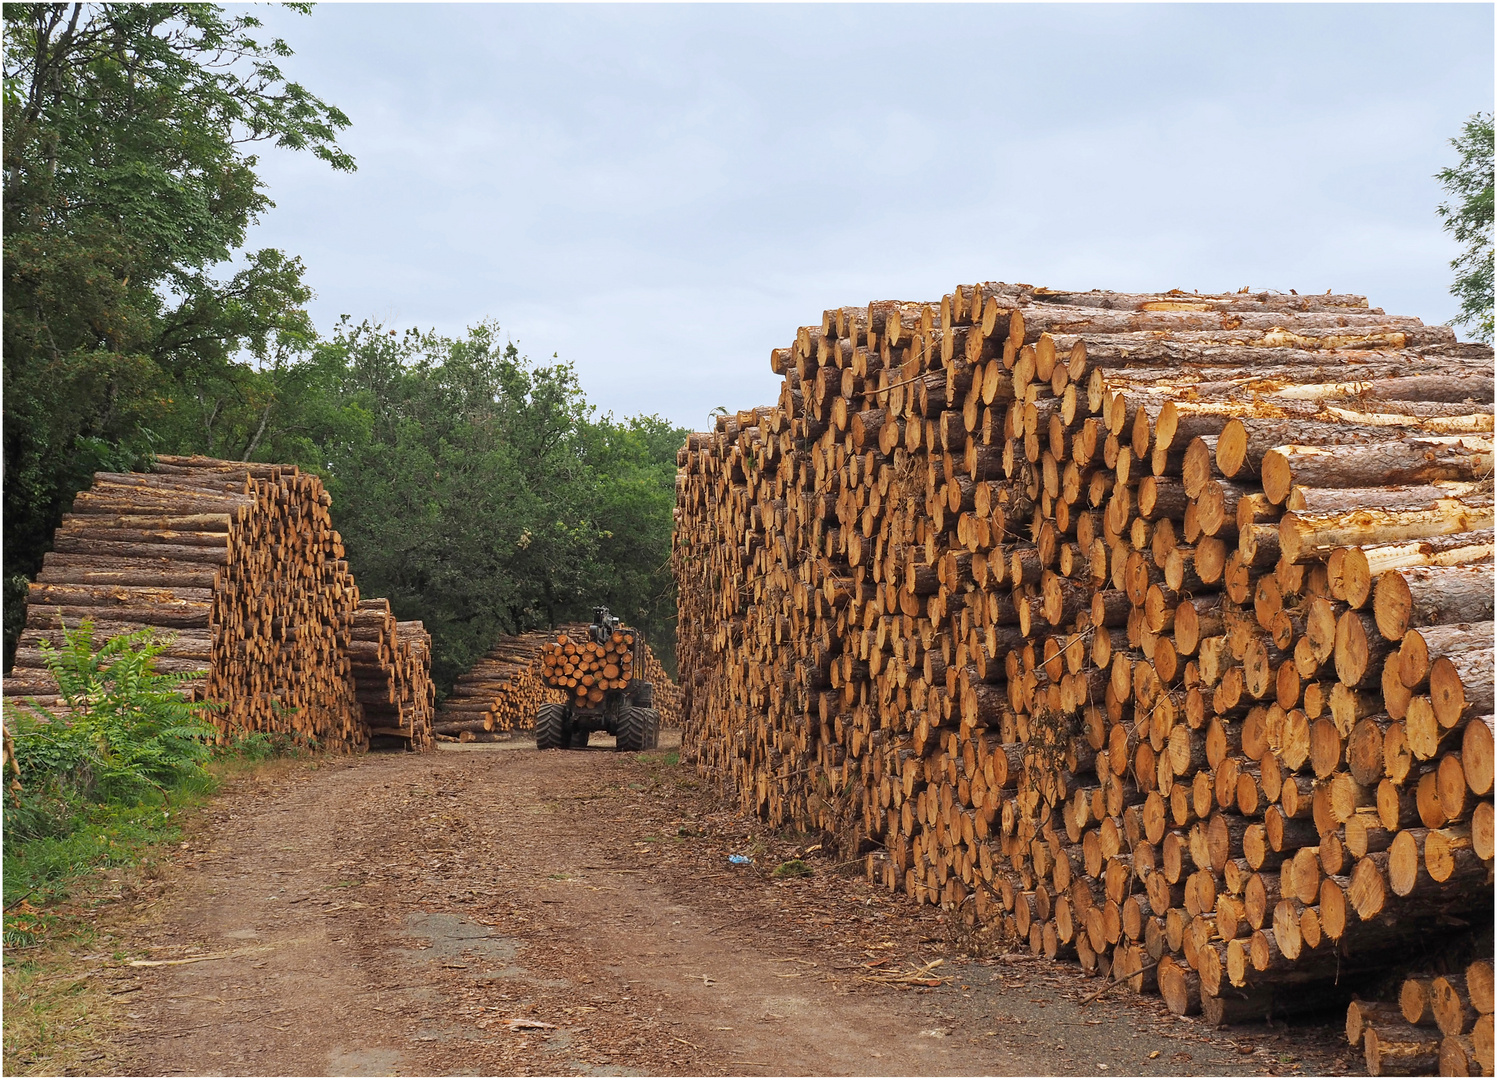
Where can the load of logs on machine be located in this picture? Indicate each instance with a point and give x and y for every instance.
(1153, 630)
(239, 571)
(584, 669)
(521, 672)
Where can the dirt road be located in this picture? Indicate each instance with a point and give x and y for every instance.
(503, 911)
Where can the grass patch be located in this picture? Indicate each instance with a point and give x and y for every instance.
(792, 868)
(55, 1013)
(669, 758)
(43, 864)
(42, 871)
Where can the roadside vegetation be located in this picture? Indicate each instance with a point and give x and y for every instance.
(95, 788)
(95, 778)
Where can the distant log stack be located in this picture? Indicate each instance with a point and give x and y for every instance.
(667, 695)
(1154, 629)
(501, 692)
(239, 571)
(419, 693)
(391, 667)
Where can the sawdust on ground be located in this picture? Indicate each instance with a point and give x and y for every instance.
(498, 910)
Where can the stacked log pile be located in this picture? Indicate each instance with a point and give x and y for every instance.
(237, 569)
(667, 694)
(391, 668)
(1154, 629)
(1440, 1023)
(521, 672)
(502, 691)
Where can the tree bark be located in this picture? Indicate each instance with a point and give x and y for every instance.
(1373, 464)
(1303, 536)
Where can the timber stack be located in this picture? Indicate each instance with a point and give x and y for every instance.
(391, 668)
(1440, 1024)
(417, 692)
(502, 691)
(237, 570)
(1155, 630)
(667, 695)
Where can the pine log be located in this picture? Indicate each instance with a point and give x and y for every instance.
(1458, 1056)
(1362, 1014)
(1450, 1004)
(1428, 596)
(1479, 985)
(1302, 536)
(1180, 987)
(1365, 465)
(1481, 1042)
(1394, 1051)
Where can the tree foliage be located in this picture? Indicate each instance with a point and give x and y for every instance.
(473, 487)
(1468, 217)
(633, 464)
(128, 181)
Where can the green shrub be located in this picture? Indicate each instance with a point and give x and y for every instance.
(101, 775)
(125, 736)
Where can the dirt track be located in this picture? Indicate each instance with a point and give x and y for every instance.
(400, 914)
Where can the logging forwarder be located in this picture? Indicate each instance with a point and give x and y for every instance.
(625, 711)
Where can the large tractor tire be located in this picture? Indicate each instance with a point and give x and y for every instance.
(639, 729)
(551, 727)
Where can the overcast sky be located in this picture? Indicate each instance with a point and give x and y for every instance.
(661, 194)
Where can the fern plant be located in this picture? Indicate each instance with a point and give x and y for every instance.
(126, 731)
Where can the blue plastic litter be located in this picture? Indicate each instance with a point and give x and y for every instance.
(739, 860)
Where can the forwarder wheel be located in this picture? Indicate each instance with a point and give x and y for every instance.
(639, 729)
(551, 727)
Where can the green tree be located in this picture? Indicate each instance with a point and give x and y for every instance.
(472, 486)
(128, 181)
(473, 489)
(456, 477)
(633, 466)
(1468, 217)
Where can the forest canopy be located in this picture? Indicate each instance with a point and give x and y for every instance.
(473, 487)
